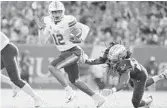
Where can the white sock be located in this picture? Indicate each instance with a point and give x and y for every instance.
(27, 89)
(68, 88)
(157, 78)
(5, 79)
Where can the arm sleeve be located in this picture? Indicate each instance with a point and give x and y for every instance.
(106, 52)
(100, 60)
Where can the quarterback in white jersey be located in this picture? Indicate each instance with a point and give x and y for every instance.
(9, 54)
(66, 33)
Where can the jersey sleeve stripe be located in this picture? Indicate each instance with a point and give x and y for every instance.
(72, 23)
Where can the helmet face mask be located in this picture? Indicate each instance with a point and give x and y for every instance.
(57, 15)
(56, 11)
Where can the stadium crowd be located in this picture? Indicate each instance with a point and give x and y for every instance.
(136, 23)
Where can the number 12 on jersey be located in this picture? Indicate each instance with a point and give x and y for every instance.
(58, 39)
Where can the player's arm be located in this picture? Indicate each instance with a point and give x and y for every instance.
(43, 31)
(100, 60)
(78, 31)
(84, 59)
(43, 35)
(123, 81)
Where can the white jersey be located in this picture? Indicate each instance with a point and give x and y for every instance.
(60, 32)
(4, 40)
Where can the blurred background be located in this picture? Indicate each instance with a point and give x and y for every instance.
(141, 26)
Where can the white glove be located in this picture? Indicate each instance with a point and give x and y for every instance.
(40, 23)
(83, 57)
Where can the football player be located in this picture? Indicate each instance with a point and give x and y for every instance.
(132, 72)
(9, 55)
(117, 57)
(66, 33)
(111, 56)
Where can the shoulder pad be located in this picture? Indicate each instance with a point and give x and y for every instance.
(71, 20)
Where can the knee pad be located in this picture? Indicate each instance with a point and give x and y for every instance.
(135, 103)
(20, 83)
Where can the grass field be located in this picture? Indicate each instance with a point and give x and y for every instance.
(55, 99)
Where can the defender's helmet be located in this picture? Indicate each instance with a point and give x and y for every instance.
(56, 10)
(117, 52)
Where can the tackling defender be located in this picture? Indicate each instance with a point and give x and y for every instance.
(66, 33)
(9, 54)
(117, 57)
(130, 71)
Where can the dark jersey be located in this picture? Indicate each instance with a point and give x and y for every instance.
(135, 68)
(104, 59)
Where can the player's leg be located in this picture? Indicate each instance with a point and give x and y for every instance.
(99, 83)
(71, 67)
(156, 78)
(55, 67)
(73, 74)
(73, 71)
(139, 87)
(7, 80)
(2, 65)
(55, 71)
(4, 78)
(9, 58)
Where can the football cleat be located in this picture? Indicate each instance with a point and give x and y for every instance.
(70, 96)
(99, 100)
(38, 103)
(16, 90)
(100, 103)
